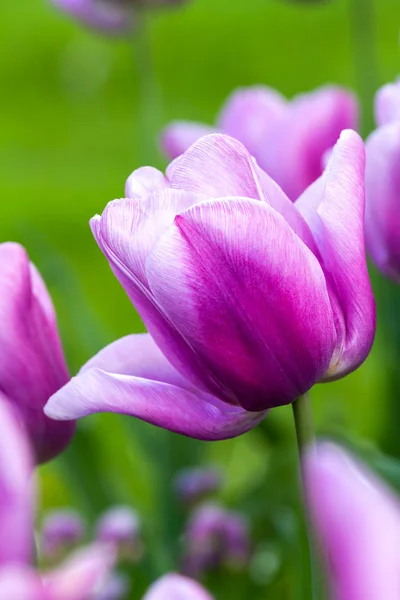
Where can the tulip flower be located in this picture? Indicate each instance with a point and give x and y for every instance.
(382, 184)
(32, 364)
(76, 578)
(192, 485)
(108, 16)
(174, 586)
(287, 138)
(121, 526)
(214, 537)
(61, 530)
(249, 299)
(357, 520)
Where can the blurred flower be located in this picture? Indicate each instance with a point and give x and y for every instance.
(114, 587)
(174, 586)
(214, 537)
(109, 16)
(121, 526)
(32, 364)
(192, 485)
(382, 184)
(249, 299)
(357, 519)
(61, 530)
(287, 138)
(73, 580)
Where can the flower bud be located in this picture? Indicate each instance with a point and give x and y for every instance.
(61, 530)
(121, 526)
(192, 485)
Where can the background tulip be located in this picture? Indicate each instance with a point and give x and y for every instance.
(357, 519)
(121, 526)
(173, 586)
(61, 530)
(191, 485)
(233, 332)
(32, 364)
(287, 138)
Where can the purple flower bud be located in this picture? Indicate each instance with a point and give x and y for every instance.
(32, 364)
(115, 587)
(174, 587)
(61, 530)
(215, 537)
(121, 526)
(192, 485)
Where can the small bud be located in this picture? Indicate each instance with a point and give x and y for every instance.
(121, 526)
(192, 485)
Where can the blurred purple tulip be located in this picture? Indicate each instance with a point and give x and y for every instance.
(121, 526)
(287, 138)
(357, 519)
(191, 485)
(214, 537)
(75, 579)
(113, 17)
(174, 587)
(249, 299)
(32, 364)
(382, 184)
(61, 530)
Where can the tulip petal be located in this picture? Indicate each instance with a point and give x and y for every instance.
(144, 181)
(180, 135)
(190, 413)
(357, 520)
(176, 587)
(334, 209)
(387, 104)
(21, 583)
(218, 166)
(249, 113)
(32, 365)
(382, 217)
(16, 490)
(249, 297)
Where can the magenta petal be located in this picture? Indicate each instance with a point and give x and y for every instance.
(180, 135)
(357, 520)
(249, 113)
(144, 181)
(387, 104)
(16, 490)
(176, 587)
(217, 166)
(108, 17)
(334, 208)
(249, 297)
(32, 365)
(382, 181)
(190, 413)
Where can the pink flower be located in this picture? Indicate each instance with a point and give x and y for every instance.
(249, 299)
(287, 138)
(357, 519)
(174, 586)
(32, 364)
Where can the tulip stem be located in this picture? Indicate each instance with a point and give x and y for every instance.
(303, 421)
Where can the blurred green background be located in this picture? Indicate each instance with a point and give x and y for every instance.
(71, 132)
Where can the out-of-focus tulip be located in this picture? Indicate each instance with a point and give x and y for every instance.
(287, 138)
(121, 526)
(214, 537)
(382, 184)
(62, 529)
(357, 519)
(115, 587)
(191, 485)
(249, 299)
(113, 17)
(75, 579)
(32, 364)
(174, 587)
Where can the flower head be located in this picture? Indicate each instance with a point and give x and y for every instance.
(32, 364)
(192, 485)
(249, 299)
(287, 138)
(61, 530)
(121, 526)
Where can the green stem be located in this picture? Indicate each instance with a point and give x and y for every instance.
(365, 60)
(303, 421)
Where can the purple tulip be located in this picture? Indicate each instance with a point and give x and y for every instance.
(73, 580)
(382, 184)
(214, 537)
(62, 529)
(192, 485)
(357, 519)
(32, 364)
(249, 299)
(174, 587)
(288, 139)
(121, 526)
